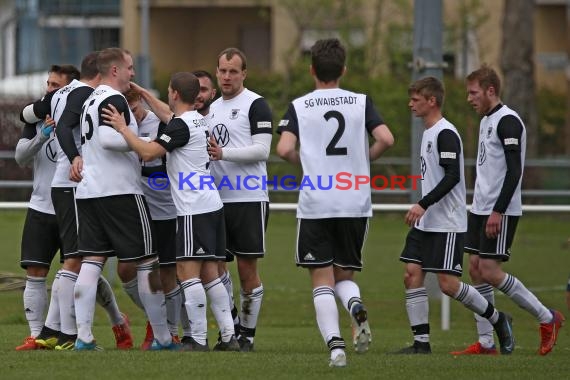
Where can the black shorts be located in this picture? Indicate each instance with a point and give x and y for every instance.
(331, 241)
(246, 223)
(118, 225)
(438, 252)
(165, 236)
(201, 236)
(477, 243)
(40, 240)
(63, 199)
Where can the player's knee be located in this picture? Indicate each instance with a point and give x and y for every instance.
(474, 273)
(449, 285)
(37, 271)
(411, 279)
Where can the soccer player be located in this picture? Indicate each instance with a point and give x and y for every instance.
(438, 223)
(40, 237)
(496, 210)
(241, 132)
(200, 237)
(331, 126)
(163, 214)
(112, 213)
(204, 99)
(65, 107)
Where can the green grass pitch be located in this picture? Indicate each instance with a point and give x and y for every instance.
(288, 344)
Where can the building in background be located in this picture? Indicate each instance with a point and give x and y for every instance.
(188, 34)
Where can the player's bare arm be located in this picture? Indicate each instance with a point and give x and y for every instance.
(287, 148)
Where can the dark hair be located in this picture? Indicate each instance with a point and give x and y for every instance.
(428, 87)
(132, 95)
(187, 86)
(89, 66)
(69, 71)
(229, 53)
(110, 57)
(328, 58)
(486, 77)
(203, 74)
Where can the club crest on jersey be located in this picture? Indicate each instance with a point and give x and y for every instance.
(51, 150)
(482, 154)
(234, 113)
(489, 131)
(429, 147)
(221, 134)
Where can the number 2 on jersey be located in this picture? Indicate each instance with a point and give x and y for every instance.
(332, 149)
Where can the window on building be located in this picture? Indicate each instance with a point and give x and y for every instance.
(63, 31)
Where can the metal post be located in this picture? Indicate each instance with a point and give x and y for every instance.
(143, 69)
(567, 144)
(428, 61)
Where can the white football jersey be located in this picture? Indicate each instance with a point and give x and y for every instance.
(58, 103)
(229, 123)
(187, 163)
(492, 167)
(106, 172)
(333, 139)
(159, 199)
(44, 169)
(449, 214)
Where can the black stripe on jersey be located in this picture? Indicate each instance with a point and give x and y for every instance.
(372, 117)
(289, 122)
(29, 131)
(120, 103)
(41, 107)
(174, 135)
(260, 117)
(447, 141)
(71, 119)
(509, 131)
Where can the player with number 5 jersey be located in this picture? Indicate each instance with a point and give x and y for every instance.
(113, 216)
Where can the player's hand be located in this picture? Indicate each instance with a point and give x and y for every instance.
(414, 214)
(76, 169)
(48, 126)
(136, 87)
(493, 227)
(112, 117)
(214, 150)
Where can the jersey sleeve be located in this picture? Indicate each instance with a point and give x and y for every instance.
(70, 119)
(372, 117)
(289, 122)
(260, 117)
(120, 103)
(29, 131)
(449, 148)
(174, 135)
(41, 108)
(509, 131)
(76, 98)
